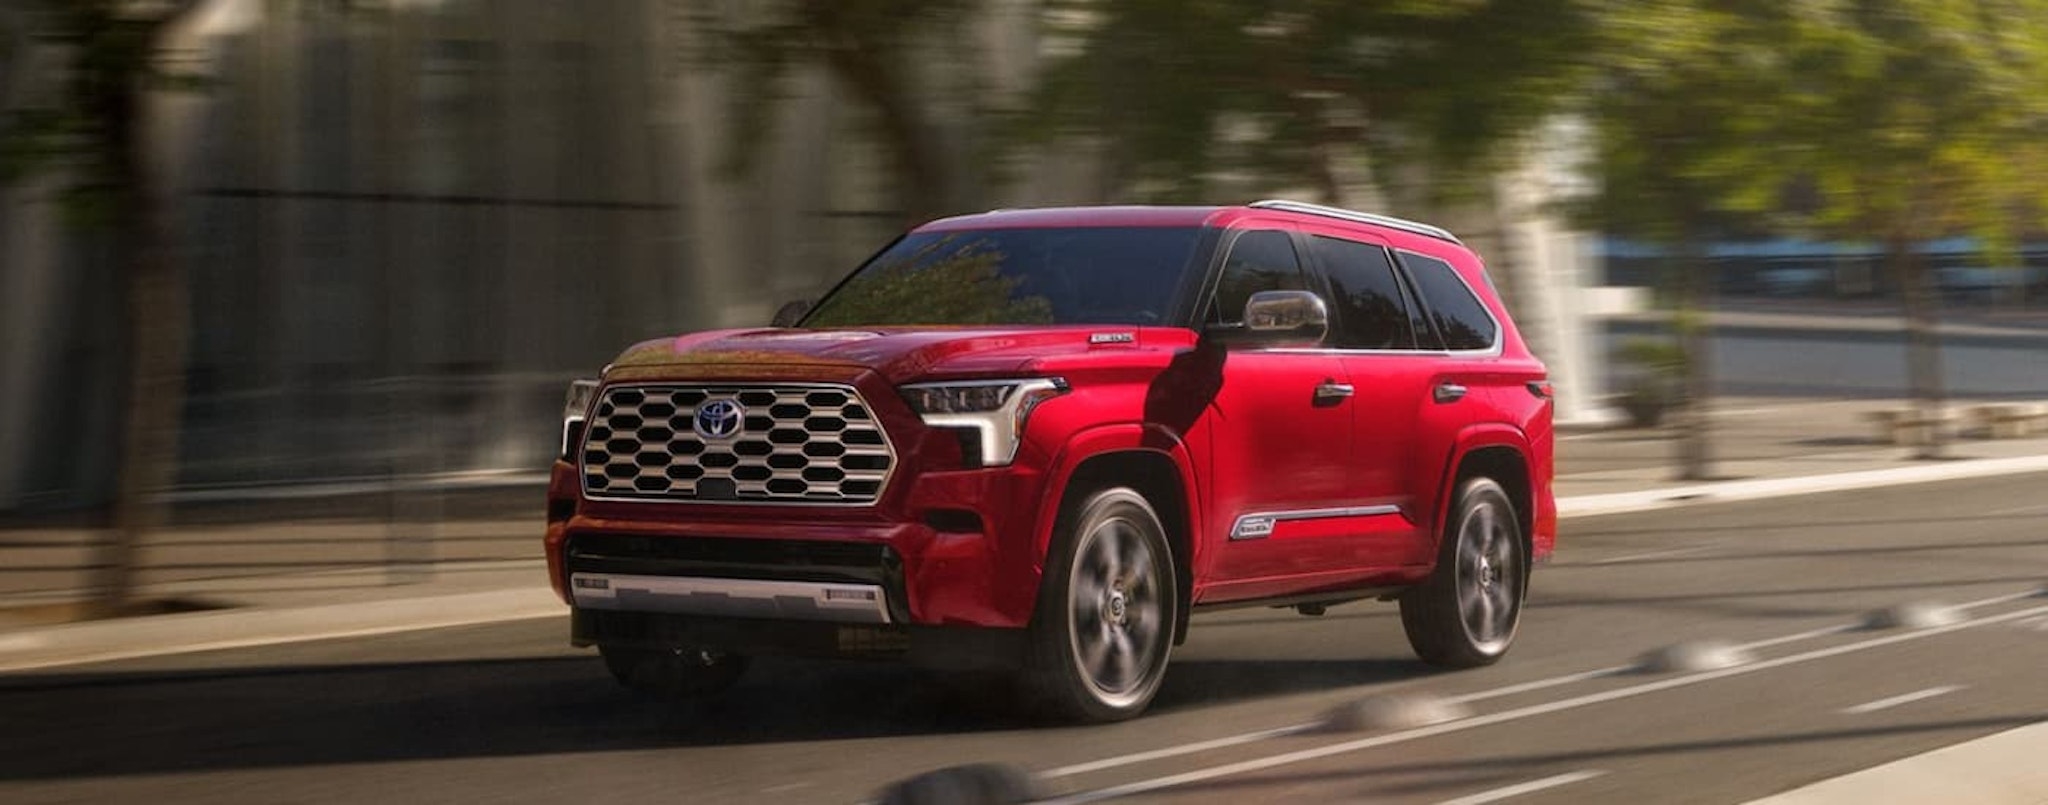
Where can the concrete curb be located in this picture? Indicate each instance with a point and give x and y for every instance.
(2001, 768)
(206, 631)
(1761, 489)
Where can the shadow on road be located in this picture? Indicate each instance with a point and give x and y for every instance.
(126, 723)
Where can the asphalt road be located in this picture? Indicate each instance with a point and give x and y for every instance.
(508, 713)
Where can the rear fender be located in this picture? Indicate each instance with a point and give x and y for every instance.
(1469, 440)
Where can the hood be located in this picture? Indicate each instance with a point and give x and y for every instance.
(900, 355)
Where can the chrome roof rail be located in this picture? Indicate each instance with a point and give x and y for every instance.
(1388, 221)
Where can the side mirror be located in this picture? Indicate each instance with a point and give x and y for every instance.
(1274, 318)
(790, 313)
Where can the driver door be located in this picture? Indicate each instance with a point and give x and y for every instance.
(1282, 427)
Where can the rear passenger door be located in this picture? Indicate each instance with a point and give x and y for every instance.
(1465, 342)
(1374, 334)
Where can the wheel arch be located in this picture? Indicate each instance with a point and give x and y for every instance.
(1149, 461)
(1502, 455)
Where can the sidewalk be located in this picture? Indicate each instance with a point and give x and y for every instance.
(238, 581)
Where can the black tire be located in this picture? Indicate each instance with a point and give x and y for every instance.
(1466, 614)
(1106, 614)
(673, 674)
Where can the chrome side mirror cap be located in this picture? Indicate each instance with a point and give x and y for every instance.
(1277, 318)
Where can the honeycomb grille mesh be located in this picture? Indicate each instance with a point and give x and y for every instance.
(797, 444)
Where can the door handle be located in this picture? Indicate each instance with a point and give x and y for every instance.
(1450, 392)
(1331, 392)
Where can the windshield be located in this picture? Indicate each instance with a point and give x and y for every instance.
(1081, 275)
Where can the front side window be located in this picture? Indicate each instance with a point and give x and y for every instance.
(1371, 311)
(1460, 317)
(1070, 275)
(1260, 260)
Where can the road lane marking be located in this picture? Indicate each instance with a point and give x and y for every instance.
(1519, 789)
(2035, 509)
(1531, 711)
(1903, 698)
(1493, 693)
(1175, 751)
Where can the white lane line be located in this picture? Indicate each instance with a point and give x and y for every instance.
(1666, 554)
(1174, 751)
(2037, 509)
(1531, 711)
(1494, 693)
(1540, 684)
(1519, 789)
(1903, 698)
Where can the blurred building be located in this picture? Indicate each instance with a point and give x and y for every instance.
(408, 222)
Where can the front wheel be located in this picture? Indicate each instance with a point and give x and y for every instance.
(1105, 619)
(672, 674)
(1467, 613)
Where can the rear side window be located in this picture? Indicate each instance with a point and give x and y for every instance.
(1371, 311)
(1460, 317)
(1260, 260)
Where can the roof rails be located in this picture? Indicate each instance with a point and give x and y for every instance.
(1389, 221)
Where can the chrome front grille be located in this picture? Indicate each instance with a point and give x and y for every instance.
(753, 443)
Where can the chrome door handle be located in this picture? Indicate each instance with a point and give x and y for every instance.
(1331, 392)
(1450, 392)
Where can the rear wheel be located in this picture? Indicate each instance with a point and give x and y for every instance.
(673, 673)
(1467, 613)
(1105, 620)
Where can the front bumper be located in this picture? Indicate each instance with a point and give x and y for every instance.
(950, 548)
(949, 647)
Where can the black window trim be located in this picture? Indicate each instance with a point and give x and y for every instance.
(1220, 259)
(1408, 285)
(1499, 332)
(1305, 242)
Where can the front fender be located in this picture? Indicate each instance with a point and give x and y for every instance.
(1104, 440)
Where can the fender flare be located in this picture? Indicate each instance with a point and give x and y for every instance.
(1126, 437)
(1470, 439)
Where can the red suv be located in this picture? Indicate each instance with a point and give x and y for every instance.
(1038, 440)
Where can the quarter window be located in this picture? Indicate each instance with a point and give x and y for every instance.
(1260, 260)
(1371, 311)
(1460, 317)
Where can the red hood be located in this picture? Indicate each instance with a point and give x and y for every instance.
(900, 355)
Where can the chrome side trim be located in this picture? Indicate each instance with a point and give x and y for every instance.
(743, 598)
(1403, 224)
(1259, 525)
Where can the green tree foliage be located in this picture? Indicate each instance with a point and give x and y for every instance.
(1689, 143)
(1287, 90)
(1920, 119)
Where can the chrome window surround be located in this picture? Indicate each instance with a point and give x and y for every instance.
(1259, 525)
(887, 447)
(1354, 216)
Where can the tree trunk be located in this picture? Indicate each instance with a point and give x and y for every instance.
(1923, 347)
(914, 149)
(154, 300)
(1693, 322)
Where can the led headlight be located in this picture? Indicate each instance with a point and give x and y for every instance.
(575, 407)
(994, 410)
